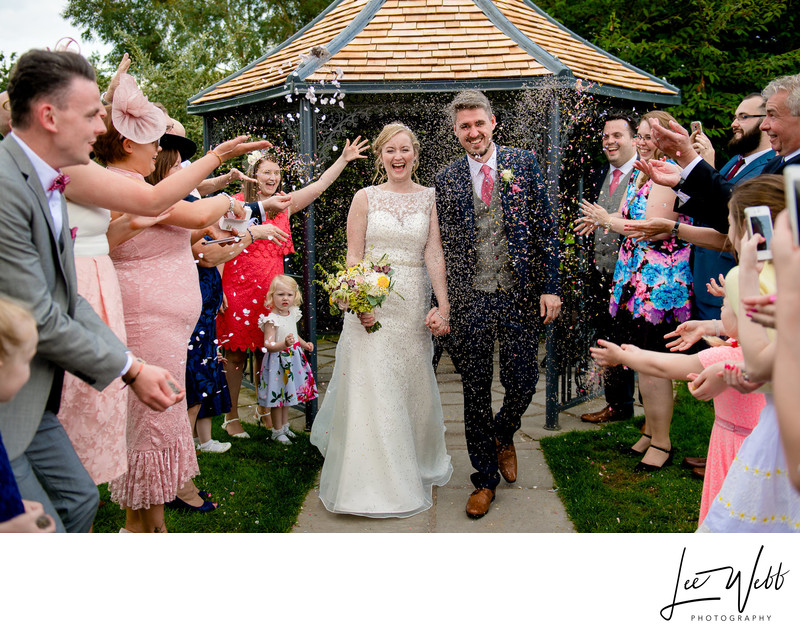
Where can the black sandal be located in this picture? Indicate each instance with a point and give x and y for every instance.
(643, 466)
(632, 452)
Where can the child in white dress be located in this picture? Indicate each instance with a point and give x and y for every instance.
(286, 377)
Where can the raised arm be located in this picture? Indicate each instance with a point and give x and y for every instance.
(92, 185)
(664, 365)
(306, 195)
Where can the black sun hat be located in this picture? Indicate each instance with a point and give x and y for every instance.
(184, 146)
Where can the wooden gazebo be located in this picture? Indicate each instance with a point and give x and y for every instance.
(377, 53)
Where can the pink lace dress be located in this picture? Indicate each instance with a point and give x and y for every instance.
(735, 416)
(162, 303)
(95, 421)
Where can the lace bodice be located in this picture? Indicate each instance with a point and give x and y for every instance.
(397, 224)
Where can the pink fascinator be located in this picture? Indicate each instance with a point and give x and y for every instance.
(133, 115)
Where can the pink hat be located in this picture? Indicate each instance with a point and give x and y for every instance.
(133, 115)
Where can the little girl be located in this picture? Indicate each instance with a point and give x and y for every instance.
(286, 378)
(735, 414)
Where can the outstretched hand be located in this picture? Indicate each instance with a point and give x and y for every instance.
(354, 150)
(124, 65)
(688, 334)
(708, 384)
(238, 147)
(647, 229)
(660, 171)
(673, 141)
(716, 288)
(608, 354)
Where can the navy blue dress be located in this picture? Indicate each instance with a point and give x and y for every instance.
(205, 380)
(10, 500)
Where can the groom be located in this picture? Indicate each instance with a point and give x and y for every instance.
(500, 240)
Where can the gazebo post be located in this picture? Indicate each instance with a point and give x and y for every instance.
(551, 348)
(308, 148)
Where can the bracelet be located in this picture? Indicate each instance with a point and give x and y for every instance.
(231, 203)
(251, 235)
(716, 328)
(442, 317)
(219, 157)
(138, 372)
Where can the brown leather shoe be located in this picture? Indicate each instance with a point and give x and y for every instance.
(507, 461)
(604, 416)
(691, 463)
(479, 502)
(699, 472)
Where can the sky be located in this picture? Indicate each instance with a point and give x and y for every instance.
(25, 25)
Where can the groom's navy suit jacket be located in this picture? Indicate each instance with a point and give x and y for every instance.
(530, 226)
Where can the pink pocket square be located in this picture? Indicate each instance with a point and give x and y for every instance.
(73, 232)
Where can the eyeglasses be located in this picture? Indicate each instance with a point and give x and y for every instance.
(743, 117)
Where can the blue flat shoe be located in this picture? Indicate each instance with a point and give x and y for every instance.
(179, 504)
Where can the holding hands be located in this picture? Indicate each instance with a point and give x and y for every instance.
(438, 323)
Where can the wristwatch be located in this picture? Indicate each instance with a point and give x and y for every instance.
(675, 228)
(677, 188)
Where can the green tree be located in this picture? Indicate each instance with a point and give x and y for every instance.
(715, 51)
(180, 47)
(6, 63)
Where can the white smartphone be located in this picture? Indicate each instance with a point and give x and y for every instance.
(759, 221)
(697, 126)
(791, 175)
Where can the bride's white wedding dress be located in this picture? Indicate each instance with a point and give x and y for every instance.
(380, 425)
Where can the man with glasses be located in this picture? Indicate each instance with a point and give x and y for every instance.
(700, 181)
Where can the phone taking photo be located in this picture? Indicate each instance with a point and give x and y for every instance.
(791, 175)
(759, 221)
(697, 127)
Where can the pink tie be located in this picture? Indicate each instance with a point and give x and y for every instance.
(487, 186)
(614, 180)
(59, 182)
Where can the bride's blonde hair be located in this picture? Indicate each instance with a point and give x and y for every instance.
(387, 133)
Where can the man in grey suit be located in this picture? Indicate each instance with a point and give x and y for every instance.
(619, 148)
(56, 114)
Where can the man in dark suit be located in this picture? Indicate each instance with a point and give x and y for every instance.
(701, 182)
(56, 114)
(500, 240)
(619, 148)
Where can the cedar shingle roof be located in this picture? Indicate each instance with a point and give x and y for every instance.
(432, 43)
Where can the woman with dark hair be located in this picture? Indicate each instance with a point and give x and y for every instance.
(246, 279)
(652, 289)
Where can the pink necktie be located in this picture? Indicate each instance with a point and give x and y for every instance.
(614, 180)
(487, 186)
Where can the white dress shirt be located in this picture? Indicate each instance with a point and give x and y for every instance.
(46, 175)
(475, 170)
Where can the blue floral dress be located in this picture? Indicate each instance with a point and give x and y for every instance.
(286, 378)
(652, 279)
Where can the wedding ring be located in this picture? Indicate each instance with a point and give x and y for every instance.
(269, 237)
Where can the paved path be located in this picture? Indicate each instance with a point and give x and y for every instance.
(528, 505)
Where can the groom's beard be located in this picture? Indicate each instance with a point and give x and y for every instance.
(485, 151)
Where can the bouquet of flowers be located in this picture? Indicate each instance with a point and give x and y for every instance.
(360, 288)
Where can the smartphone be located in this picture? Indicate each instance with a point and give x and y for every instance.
(759, 221)
(791, 175)
(697, 126)
(226, 240)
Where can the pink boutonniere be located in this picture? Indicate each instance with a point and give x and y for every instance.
(73, 232)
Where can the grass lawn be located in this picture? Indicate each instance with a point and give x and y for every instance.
(258, 483)
(600, 490)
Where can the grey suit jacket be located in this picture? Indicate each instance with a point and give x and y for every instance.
(37, 268)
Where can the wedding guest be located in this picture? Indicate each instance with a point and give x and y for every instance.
(652, 290)
(161, 303)
(380, 426)
(285, 377)
(56, 116)
(18, 340)
(246, 279)
(787, 356)
(503, 283)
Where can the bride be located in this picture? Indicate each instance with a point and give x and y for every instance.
(380, 425)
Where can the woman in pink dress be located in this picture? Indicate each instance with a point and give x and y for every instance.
(161, 302)
(246, 279)
(95, 421)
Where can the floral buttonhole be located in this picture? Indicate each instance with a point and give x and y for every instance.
(507, 177)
